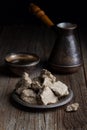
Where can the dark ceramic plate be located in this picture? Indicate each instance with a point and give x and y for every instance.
(62, 102)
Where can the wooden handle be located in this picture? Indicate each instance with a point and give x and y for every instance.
(40, 14)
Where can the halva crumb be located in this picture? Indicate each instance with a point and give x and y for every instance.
(72, 107)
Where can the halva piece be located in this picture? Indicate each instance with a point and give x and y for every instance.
(72, 107)
(48, 97)
(47, 82)
(47, 74)
(23, 83)
(59, 88)
(29, 96)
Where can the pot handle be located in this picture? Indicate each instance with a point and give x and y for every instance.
(40, 14)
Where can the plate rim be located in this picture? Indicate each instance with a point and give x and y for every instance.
(63, 102)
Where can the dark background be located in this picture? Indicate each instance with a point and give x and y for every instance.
(16, 11)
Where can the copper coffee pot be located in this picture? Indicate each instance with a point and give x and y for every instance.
(66, 54)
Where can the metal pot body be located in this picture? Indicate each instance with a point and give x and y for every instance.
(66, 54)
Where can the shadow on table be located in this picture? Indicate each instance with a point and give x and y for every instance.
(4, 71)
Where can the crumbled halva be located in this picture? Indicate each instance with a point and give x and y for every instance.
(36, 85)
(72, 107)
(41, 90)
(47, 74)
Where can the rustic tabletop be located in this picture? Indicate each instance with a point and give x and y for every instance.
(39, 39)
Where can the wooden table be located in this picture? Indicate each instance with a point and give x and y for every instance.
(40, 39)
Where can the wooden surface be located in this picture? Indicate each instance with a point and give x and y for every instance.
(39, 40)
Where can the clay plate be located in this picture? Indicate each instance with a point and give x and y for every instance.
(62, 102)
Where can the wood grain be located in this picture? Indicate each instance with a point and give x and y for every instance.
(40, 40)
